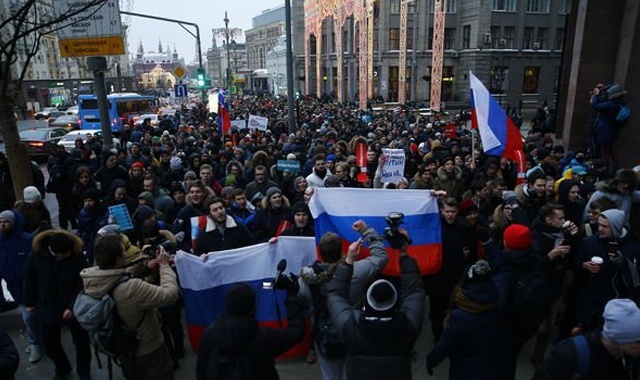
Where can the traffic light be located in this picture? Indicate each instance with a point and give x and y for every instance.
(200, 79)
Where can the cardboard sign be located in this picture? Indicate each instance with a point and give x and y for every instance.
(393, 168)
(290, 165)
(258, 122)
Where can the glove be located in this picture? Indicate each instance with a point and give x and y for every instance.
(288, 283)
(509, 198)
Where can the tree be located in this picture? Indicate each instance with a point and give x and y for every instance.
(23, 25)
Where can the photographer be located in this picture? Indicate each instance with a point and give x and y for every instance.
(235, 345)
(378, 337)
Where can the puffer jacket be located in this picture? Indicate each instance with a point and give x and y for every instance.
(14, 250)
(378, 348)
(136, 300)
(52, 285)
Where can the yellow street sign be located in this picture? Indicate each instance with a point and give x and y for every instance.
(86, 47)
(179, 72)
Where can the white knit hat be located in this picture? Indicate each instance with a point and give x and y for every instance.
(31, 194)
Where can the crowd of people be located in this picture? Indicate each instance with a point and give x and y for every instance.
(550, 259)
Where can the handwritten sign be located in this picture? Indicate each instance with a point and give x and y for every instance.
(393, 168)
(258, 122)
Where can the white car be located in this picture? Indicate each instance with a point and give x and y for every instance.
(68, 142)
(44, 112)
(73, 110)
(154, 119)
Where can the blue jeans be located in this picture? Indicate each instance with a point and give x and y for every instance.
(332, 369)
(33, 329)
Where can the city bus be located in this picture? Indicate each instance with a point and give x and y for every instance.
(123, 107)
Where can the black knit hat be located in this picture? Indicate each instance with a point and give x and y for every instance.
(240, 300)
(141, 214)
(91, 193)
(60, 243)
(300, 207)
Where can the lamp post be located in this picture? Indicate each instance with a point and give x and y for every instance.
(228, 34)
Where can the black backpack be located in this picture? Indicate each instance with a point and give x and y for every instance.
(530, 299)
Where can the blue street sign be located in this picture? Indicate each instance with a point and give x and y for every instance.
(181, 90)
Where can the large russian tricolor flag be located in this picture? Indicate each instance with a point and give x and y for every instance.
(224, 120)
(336, 209)
(205, 282)
(498, 133)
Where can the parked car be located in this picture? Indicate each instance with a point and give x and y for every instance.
(44, 112)
(155, 119)
(73, 110)
(54, 115)
(68, 122)
(40, 140)
(68, 142)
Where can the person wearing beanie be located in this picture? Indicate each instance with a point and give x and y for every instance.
(613, 350)
(34, 212)
(622, 190)
(618, 274)
(473, 338)
(273, 218)
(91, 218)
(238, 331)
(505, 214)
(302, 221)
(51, 284)
(15, 245)
(379, 337)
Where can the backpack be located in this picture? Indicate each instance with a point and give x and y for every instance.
(325, 333)
(106, 329)
(530, 298)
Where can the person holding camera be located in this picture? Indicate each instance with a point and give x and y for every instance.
(235, 346)
(609, 262)
(378, 337)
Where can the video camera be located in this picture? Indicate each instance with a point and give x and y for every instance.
(392, 232)
(160, 241)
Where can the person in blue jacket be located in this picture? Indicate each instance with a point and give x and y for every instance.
(607, 103)
(472, 335)
(15, 245)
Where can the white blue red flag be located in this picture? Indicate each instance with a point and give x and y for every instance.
(498, 133)
(336, 209)
(205, 282)
(224, 120)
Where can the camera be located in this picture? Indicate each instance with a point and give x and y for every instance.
(160, 241)
(392, 232)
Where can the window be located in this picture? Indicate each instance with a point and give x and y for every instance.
(450, 6)
(430, 40)
(543, 36)
(509, 37)
(394, 7)
(497, 79)
(466, 36)
(559, 45)
(394, 38)
(409, 41)
(449, 38)
(527, 39)
(530, 82)
(411, 7)
(504, 5)
(556, 83)
(495, 38)
(539, 6)
(564, 7)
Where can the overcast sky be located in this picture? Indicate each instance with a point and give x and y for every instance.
(207, 14)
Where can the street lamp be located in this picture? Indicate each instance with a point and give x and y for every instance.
(228, 34)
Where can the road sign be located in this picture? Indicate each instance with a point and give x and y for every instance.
(179, 72)
(181, 90)
(96, 30)
(86, 47)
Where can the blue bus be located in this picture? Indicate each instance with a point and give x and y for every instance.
(122, 108)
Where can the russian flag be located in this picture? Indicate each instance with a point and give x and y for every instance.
(498, 133)
(224, 121)
(204, 283)
(336, 209)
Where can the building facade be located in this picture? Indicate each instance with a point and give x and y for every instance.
(513, 46)
(160, 63)
(262, 37)
(277, 67)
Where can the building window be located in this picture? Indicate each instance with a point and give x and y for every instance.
(394, 38)
(449, 38)
(393, 83)
(556, 83)
(564, 7)
(497, 79)
(495, 38)
(509, 37)
(543, 37)
(504, 5)
(411, 7)
(394, 7)
(430, 39)
(538, 6)
(466, 37)
(530, 81)
(527, 39)
(450, 6)
(559, 45)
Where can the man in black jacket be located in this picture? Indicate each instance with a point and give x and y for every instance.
(221, 232)
(610, 354)
(237, 337)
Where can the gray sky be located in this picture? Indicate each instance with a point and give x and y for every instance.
(207, 14)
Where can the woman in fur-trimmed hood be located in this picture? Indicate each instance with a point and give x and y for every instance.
(449, 178)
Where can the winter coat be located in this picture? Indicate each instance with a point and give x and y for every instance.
(89, 222)
(608, 190)
(472, 337)
(270, 222)
(211, 239)
(314, 180)
(453, 185)
(136, 301)
(232, 334)
(52, 285)
(254, 188)
(106, 177)
(376, 348)
(529, 201)
(611, 282)
(606, 130)
(14, 250)
(242, 215)
(33, 213)
(562, 362)
(183, 219)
